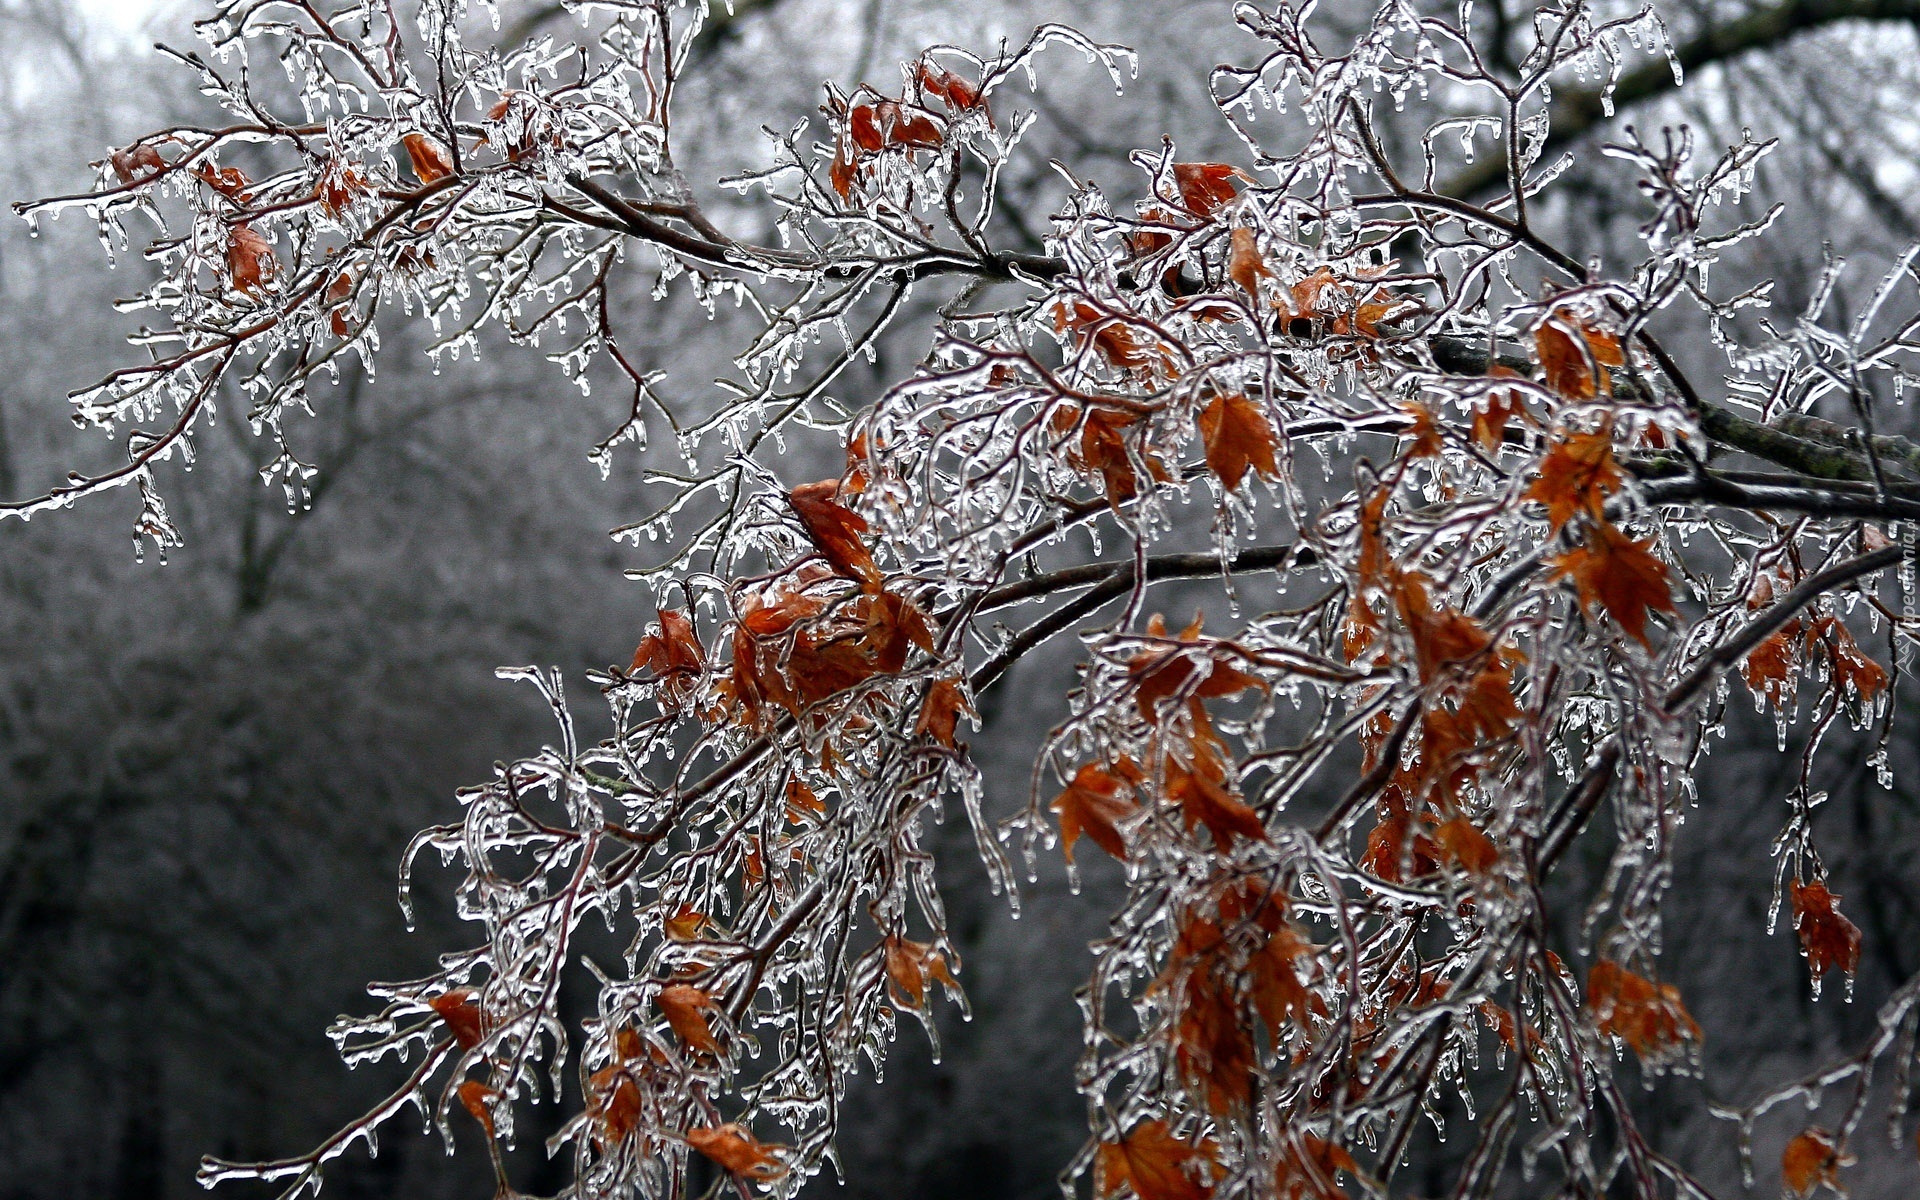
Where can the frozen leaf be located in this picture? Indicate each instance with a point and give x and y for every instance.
(737, 1151)
(1618, 576)
(1205, 187)
(1576, 477)
(1156, 1165)
(1829, 939)
(428, 159)
(460, 1010)
(1092, 805)
(1237, 436)
(685, 1008)
(1812, 1159)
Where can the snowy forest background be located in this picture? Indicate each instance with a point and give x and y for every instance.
(208, 769)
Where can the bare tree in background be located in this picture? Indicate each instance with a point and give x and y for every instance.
(1498, 557)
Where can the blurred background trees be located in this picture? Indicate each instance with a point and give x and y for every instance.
(208, 768)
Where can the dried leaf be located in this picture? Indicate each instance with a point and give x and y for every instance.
(1619, 576)
(835, 530)
(1466, 845)
(1237, 436)
(477, 1098)
(1648, 1016)
(1092, 805)
(1156, 1165)
(1812, 1159)
(430, 162)
(1829, 939)
(940, 711)
(250, 260)
(684, 1007)
(1205, 187)
(1576, 476)
(737, 1151)
(460, 1010)
(1244, 265)
(137, 163)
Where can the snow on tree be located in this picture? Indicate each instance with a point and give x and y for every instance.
(1502, 561)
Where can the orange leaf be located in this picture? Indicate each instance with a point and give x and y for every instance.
(1245, 266)
(835, 531)
(802, 804)
(945, 85)
(940, 711)
(1570, 365)
(1829, 939)
(841, 173)
(1306, 1170)
(430, 162)
(1237, 436)
(1503, 405)
(137, 163)
(1443, 637)
(1091, 804)
(1619, 575)
(476, 1098)
(683, 1004)
(250, 260)
(1648, 1016)
(1201, 792)
(687, 924)
(672, 650)
(614, 1103)
(1576, 476)
(461, 1012)
(1851, 669)
(1812, 1159)
(1156, 1165)
(909, 966)
(1466, 845)
(737, 1151)
(1204, 187)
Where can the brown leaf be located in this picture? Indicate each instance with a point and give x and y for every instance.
(1576, 476)
(802, 804)
(1091, 804)
(1573, 365)
(230, 182)
(1811, 1159)
(1466, 845)
(835, 530)
(1237, 436)
(1205, 187)
(1201, 792)
(1502, 406)
(684, 1006)
(430, 162)
(477, 1098)
(687, 924)
(1829, 939)
(670, 648)
(1648, 1016)
(738, 1152)
(1156, 1165)
(460, 1010)
(1851, 668)
(1245, 266)
(909, 967)
(940, 711)
(250, 260)
(1307, 1166)
(958, 94)
(1443, 636)
(137, 163)
(1619, 576)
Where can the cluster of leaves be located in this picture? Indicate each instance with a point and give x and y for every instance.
(1512, 579)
